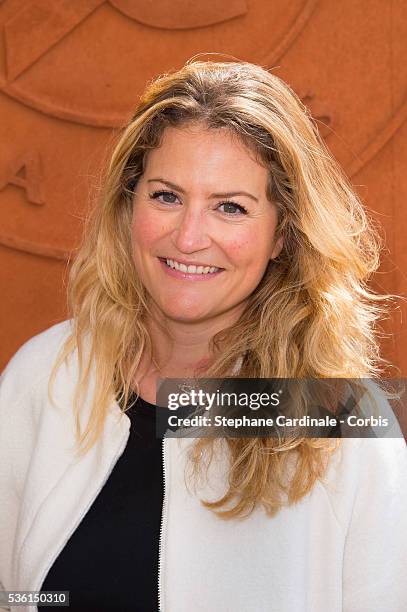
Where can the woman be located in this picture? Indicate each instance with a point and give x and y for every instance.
(227, 242)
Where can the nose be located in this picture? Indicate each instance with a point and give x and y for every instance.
(191, 232)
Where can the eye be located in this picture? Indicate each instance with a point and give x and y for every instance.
(168, 197)
(232, 209)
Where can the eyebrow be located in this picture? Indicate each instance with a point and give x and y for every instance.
(213, 195)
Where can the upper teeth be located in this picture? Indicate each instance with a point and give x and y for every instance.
(191, 269)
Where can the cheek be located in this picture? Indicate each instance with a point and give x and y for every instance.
(238, 249)
(145, 231)
(249, 249)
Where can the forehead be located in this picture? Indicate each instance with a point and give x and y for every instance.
(194, 154)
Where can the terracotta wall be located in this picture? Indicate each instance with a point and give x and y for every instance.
(70, 73)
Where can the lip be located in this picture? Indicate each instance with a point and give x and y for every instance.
(185, 275)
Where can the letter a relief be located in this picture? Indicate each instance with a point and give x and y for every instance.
(25, 172)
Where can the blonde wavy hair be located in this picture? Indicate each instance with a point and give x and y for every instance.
(312, 315)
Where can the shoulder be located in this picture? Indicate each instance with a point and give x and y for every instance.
(368, 460)
(33, 362)
(373, 458)
(41, 347)
(24, 401)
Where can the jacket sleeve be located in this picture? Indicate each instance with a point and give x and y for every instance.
(375, 556)
(17, 436)
(22, 387)
(11, 460)
(3, 609)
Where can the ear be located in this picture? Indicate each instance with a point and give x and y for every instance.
(277, 247)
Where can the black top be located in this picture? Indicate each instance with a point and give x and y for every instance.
(111, 560)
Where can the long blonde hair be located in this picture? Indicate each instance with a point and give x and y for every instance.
(312, 315)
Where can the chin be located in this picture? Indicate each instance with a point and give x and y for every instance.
(179, 309)
(185, 312)
(185, 316)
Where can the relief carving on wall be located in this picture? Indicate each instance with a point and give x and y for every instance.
(71, 72)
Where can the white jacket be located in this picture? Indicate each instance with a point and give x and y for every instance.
(342, 548)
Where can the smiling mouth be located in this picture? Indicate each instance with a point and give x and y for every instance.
(191, 268)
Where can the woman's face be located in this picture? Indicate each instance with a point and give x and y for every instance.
(201, 202)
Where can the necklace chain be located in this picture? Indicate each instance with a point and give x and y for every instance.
(185, 384)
